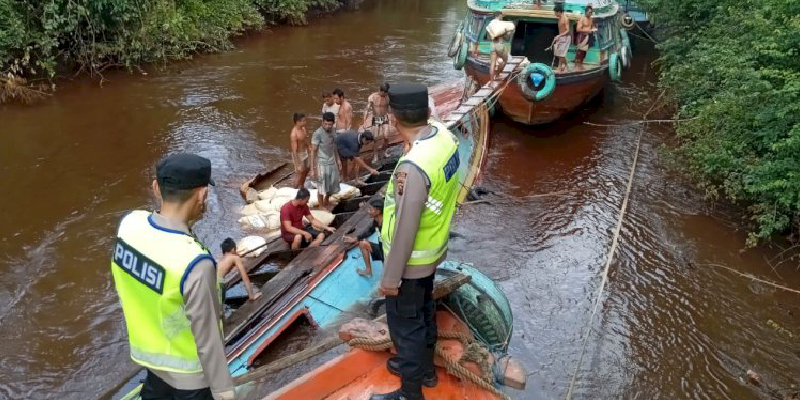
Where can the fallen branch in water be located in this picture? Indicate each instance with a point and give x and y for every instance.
(533, 196)
(753, 277)
(13, 87)
(482, 201)
(644, 121)
(551, 194)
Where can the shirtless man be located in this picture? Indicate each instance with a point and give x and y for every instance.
(585, 28)
(376, 116)
(562, 41)
(344, 117)
(300, 144)
(230, 259)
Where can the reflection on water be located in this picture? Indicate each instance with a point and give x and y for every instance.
(670, 327)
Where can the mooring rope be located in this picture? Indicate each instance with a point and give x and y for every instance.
(452, 365)
(609, 259)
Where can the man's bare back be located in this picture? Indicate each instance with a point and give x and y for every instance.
(300, 145)
(228, 262)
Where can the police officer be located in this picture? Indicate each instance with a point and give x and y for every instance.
(167, 286)
(420, 202)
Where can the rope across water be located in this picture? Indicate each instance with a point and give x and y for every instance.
(609, 260)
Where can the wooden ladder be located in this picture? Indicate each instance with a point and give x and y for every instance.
(487, 90)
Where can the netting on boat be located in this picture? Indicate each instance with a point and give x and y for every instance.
(481, 304)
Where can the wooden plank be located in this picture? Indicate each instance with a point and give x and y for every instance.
(473, 101)
(304, 267)
(464, 109)
(484, 91)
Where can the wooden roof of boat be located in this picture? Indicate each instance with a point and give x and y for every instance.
(573, 8)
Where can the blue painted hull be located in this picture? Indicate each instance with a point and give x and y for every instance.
(340, 289)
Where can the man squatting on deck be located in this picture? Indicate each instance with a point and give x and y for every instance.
(167, 285)
(419, 206)
(292, 230)
(370, 251)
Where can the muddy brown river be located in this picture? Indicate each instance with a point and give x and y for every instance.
(671, 326)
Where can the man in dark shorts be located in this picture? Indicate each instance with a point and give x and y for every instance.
(292, 229)
(348, 144)
(370, 251)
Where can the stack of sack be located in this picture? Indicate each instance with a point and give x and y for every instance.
(264, 215)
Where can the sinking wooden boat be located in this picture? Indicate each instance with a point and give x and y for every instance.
(359, 373)
(319, 283)
(538, 93)
(322, 282)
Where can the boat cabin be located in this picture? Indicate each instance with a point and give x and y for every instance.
(537, 25)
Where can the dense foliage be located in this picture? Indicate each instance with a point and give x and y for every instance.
(38, 37)
(733, 67)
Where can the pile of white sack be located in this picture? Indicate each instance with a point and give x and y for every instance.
(263, 215)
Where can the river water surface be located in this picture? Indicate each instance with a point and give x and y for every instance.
(670, 325)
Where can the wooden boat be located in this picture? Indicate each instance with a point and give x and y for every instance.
(313, 286)
(319, 283)
(539, 93)
(359, 373)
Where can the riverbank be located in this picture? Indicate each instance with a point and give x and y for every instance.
(732, 69)
(42, 42)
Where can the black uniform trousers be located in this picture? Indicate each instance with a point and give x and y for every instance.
(154, 388)
(412, 326)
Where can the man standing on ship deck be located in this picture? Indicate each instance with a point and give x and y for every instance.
(562, 41)
(376, 116)
(300, 144)
(167, 285)
(344, 115)
(420, 202)
(325, 161)
(585, 29)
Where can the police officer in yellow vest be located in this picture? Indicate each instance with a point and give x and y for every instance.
(166, 281)
(420, 202)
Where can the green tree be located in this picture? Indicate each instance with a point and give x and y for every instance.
(734, 65)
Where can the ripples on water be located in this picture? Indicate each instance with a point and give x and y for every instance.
(669, 327)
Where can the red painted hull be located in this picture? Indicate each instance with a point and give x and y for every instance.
(357, 374)
(572, 91)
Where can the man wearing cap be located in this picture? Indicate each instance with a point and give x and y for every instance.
(166, 281)
(420, 202)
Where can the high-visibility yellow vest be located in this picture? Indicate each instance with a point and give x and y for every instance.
(149, 265)
(437, 157)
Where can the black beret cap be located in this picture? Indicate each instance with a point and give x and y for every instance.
(184, 171)
(408, 96)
